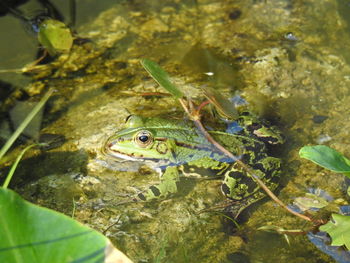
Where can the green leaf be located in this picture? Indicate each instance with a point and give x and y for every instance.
(55, 36)
(30, 233)
(339, 230)
(327, 158)
(162, 77)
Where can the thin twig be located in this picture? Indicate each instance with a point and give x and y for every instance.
(197, 122)
(183, 104)
(110, 226)
(15, 164)
(161, 94)
(293, 233)
(204, 103)
(25, 122)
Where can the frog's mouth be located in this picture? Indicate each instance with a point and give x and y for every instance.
(107, 150)
(122, 157)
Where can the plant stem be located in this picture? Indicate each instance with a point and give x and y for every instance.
(204, 103)
(15, 164)
(24, 123)
(163, 94)
(183, 104)
(249, 171)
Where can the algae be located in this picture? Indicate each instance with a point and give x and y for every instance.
(286, 80)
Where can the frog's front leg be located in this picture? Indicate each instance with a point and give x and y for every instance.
(166, 186)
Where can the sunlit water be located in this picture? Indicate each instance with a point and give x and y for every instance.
(288, 59)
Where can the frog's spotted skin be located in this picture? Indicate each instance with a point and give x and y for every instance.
(172, 146)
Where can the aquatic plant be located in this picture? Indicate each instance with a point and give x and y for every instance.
(339, 228)
(30, 233)
(326, 157)
(55, 36)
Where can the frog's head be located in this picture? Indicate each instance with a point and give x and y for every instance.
(138, 142)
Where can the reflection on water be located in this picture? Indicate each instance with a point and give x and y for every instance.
(288, 59)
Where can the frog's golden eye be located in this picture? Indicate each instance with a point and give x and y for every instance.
(143, 138)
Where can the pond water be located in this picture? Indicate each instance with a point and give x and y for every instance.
(288, 59)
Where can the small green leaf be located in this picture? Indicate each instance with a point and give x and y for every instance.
(30, 233)
(162, 77)
(309, 201)
(339, 230)
(55, 36)
(327, 158)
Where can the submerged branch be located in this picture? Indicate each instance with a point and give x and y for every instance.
(195, 116)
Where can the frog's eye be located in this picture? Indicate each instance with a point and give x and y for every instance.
(143, 138)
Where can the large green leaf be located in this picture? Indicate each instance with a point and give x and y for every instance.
(327, 158)
(159, 75)
(30, 233)
(339, 230)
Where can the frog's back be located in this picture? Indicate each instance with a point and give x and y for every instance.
(178, 145)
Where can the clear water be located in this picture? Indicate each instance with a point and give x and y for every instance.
(288, 59)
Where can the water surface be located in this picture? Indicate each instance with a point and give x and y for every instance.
(288, 59)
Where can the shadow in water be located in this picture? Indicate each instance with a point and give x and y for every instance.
(46, 164)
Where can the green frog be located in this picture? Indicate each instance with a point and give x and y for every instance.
(176, 148)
